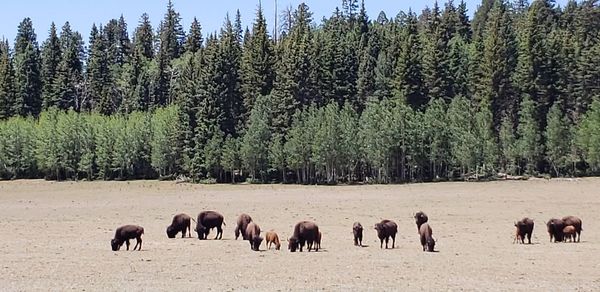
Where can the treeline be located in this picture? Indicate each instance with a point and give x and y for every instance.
(433, 96)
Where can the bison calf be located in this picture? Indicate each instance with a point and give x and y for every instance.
(575, 222)
(242, 223)
(124, 234)
(272, 238)
(181, 223)
(357, 230)
(427, 240)
(385, 230)
(208, 220)
(524, 228)
(305, 232)
(569, 232)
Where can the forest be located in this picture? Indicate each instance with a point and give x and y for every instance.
(430, 96)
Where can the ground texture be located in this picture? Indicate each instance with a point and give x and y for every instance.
(56, 236)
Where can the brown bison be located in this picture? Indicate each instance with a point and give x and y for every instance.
(272, 238)
(357, 230)
(524, 228)
(305, 232)
(420, 218)
(208, 220)
(575, 222)
(385, 230)
(569, 233)
(427, 240)
(242, 223)
(555, 229)
(253, 236)
(124, 234)
(181, 223)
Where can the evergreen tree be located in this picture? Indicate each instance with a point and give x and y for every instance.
(193, 42)
(143, 38)
(69, 74)
(409, 76)
(51, 56)
(98, 75)
(28, 83)
(7, 74)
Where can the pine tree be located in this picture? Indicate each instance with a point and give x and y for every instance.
(408, 81)
(7, 74)
(28, 83)
(193, 42)
(69, 75)
(98, 76)
(143, 38)
(257, 66)
(51, 56)
(229, 76)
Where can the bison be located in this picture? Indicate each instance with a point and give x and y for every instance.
(242, 223)
(124, 234)
(569, 232)
(524, 228)
(253, 236)
(385, 230)
(181, 223)
(208, 220)
(427, 240)
(555, 229)
(357, 230)
(272, 238)
(305, 232)
(575, 222)
(420, 218)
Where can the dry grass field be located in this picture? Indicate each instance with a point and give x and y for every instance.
(56, 237)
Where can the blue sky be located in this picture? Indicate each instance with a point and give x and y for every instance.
(211, 14)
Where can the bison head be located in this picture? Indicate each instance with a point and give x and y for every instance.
(293, 244)
(430, 244)
(201, 230)
(256, 241)
(171, 232)
(114, 244)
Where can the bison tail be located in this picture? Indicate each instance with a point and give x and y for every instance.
(224, 223)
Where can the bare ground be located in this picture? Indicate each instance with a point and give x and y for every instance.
(55, 236)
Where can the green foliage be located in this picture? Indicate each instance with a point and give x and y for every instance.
(165, 154)
(254, 149)
(529, 146)
(17, 148)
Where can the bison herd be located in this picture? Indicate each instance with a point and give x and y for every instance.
(307, 233)
(567, 228)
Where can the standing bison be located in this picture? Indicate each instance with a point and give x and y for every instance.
(181, 223)
(272, 238)
(385, 230)
(357, 230)
(124, 234)
(253, 236)
(575, 222)
(208, 220)
(242, 223)
(305, 232)
(524, 228)
(427, 241)
(555, 229)
(420, 218)
(569, 233)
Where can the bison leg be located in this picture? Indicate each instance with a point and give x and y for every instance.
(387, 239)
(127, 243)
(393, 241)
(139, 239)
(381, 243)
(219, 232)
(529, 238)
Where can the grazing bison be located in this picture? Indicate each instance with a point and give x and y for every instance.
(385, 230)
(524, 228)
(124, 234)
(272, 238)
(575, 222)
(420, 218)
(357, 229)
(253, 236)
(181, 223)
(555, 229)
(305, 232)
(427, 240)
(208, 220)
(242, 223)
(569, 233)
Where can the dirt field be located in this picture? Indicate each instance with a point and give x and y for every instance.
(56, 236)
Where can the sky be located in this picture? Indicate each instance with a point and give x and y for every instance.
(211, 14)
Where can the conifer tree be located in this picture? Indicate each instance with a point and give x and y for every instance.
(7, 74)
(51, 57)
(28, 83)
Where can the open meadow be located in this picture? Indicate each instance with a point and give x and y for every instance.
(56, 236)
